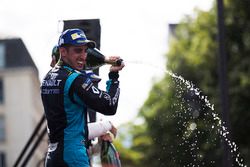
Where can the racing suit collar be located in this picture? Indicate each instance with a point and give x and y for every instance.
(67, 66)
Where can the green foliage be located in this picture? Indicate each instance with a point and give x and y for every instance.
(179, 129)
(130, 153)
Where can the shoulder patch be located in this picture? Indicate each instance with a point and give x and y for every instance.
(87, 84)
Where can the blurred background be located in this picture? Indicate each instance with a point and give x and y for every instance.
(184, 98)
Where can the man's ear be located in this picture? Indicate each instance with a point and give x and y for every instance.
(62, 51)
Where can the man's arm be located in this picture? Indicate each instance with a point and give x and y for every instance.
(101, 101)
(97, 129)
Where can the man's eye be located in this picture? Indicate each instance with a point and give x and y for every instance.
(78, 50)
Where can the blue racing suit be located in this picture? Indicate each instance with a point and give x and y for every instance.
(66, 94)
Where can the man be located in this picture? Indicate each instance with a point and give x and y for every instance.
(100, 129)
(66, 93)
(95, 129)
(55, 58)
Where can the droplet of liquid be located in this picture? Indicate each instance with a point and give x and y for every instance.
(192, 126)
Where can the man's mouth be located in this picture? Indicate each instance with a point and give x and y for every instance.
(80, 63)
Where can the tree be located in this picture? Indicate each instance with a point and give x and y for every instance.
(180, 129)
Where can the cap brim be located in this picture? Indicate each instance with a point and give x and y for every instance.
(89, 43)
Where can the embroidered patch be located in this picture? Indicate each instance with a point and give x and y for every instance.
(86, 83)
(75, 36)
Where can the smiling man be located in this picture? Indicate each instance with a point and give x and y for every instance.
(65, 103)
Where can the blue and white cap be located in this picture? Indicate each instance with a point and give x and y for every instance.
(75, 37)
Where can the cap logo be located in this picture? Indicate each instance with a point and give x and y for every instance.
(75, 36)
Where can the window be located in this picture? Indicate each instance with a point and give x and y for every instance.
(2, 128)
(2, 55)
(2, 159)
(1, 91)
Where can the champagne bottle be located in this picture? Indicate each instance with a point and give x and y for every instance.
(96, 59)
(109, 155)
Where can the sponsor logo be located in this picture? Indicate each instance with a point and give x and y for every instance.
(51, 82)
(86, 84)
(115, 98)
(50, 91)
(107, 97)
(53, 75)
(77, 35)
(95, 90)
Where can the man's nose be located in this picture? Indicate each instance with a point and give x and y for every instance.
(84, 55)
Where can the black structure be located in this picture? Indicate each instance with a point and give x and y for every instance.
(222, 70)
(91, 27)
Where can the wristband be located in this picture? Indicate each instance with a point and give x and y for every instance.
(113, 75)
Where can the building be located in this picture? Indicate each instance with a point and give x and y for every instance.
(20, 103)
(171, 31)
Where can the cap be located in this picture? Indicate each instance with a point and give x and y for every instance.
(75, 37)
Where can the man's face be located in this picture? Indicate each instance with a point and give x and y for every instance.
(75, 56)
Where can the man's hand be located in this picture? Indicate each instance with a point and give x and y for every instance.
(111, 135)
(113, 130)
(116, 68)
(107, 137)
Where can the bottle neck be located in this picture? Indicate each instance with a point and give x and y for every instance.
(96, 59)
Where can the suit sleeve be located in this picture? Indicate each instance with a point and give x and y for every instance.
(104, 102)
(99, 128)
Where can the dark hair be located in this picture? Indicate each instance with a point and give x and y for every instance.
(55, 53)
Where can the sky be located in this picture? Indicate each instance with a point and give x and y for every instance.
(135, 30)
